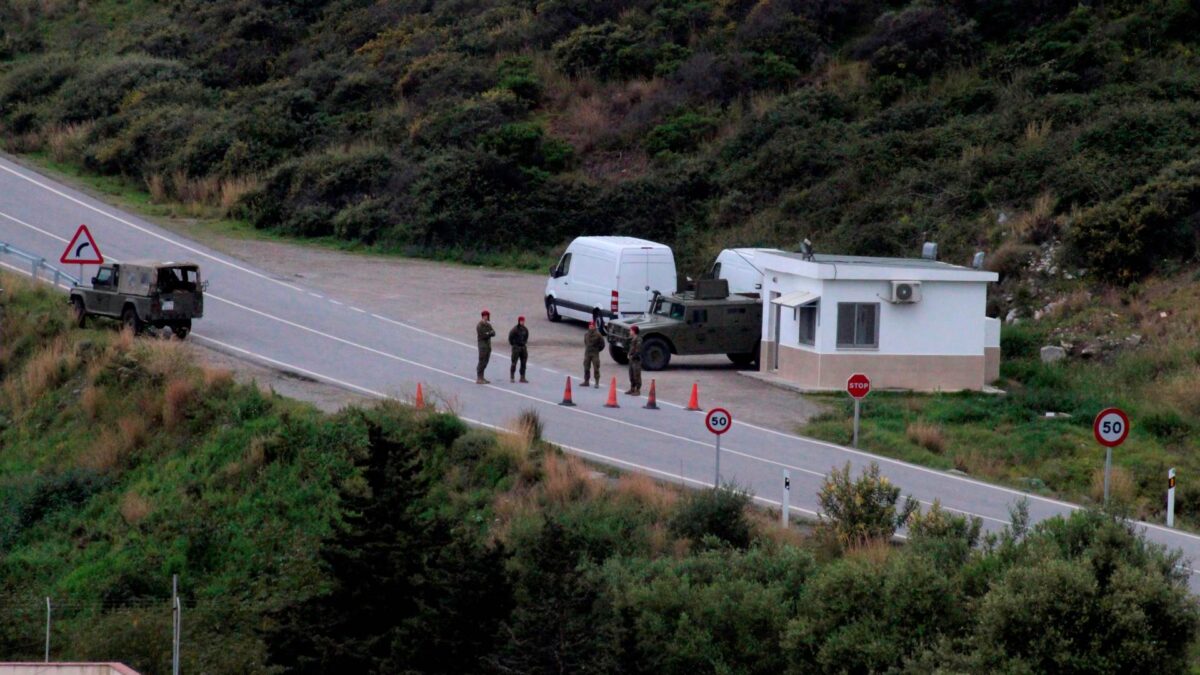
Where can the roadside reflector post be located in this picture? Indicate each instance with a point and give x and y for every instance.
(1171, 498)
(787, 496)
(858, 386)
(1111, 428)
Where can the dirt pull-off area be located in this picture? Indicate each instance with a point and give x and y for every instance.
(446, 299)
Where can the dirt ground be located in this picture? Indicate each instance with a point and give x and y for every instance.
(447, 298)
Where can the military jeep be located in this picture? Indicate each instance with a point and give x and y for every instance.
(140, 294)
(706, 321)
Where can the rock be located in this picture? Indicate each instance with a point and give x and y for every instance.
(1133, 340)
(1163, 315)
(1012, 316)
(1053, 354)
(1091, 350)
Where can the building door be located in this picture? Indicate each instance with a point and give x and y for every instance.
(774, 328)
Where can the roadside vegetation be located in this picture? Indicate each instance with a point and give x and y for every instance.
(388, 539)
(484, 129)
(1135, 348)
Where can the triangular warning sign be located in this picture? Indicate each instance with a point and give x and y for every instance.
(82, 249)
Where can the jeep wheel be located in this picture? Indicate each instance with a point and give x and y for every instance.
(182, 329)
(619, 355)
(655, 353)
(78, 311)
(552, 311)
(130, 320)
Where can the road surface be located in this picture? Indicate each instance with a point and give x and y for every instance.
(275, 320)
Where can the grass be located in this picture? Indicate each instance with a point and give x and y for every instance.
(1009, 439)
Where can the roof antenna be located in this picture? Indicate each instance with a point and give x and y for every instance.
(806, 250)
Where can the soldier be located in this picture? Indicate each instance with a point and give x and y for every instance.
(635, 362)
(518, 338)
(593, 344)
(484, 334)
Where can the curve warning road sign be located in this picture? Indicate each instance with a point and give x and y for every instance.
(82, 249)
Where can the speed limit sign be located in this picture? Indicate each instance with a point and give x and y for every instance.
(1111, 427)
(718, 420)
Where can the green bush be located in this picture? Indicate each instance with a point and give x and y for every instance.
(717, 513)
(855, 512)
(683, 133)
(610, 50)
(100, 90)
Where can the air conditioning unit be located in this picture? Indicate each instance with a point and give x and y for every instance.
(905, 292)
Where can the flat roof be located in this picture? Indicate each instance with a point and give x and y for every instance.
(834, 266)
(619, 241)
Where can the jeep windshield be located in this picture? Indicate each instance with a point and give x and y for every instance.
(183, 278)
(667, 308)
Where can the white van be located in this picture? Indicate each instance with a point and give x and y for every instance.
(608, 277)
(738, 267)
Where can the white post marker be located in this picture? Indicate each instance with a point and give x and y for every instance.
(787, 496)
(718, 421)
(1110, 428)
(858, 386)
(1171, 498)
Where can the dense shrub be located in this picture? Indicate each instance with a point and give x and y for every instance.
(856, 512)
(609, 50)
(100, 90)
(718, 513)
(682, 133)
(918, 41)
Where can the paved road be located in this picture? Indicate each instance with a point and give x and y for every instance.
(273, 320)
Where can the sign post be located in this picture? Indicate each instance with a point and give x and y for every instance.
(1171, 498)
(718, 421)
(787, 496)
(858, 386)
(1110, 428)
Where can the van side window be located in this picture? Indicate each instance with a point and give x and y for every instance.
(564, 266)
(104, 277)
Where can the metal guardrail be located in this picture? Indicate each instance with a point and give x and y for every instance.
(37, 263)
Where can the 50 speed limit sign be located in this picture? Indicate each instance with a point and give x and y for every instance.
(1111, 427)
(718, 420)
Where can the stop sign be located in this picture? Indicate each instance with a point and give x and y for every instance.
(858, 385)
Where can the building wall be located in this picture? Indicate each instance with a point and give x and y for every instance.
(810, 370)
(66, 669)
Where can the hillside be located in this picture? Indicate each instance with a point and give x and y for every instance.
(478, 129)
(394, 540)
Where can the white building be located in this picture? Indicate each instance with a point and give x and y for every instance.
(906, 323)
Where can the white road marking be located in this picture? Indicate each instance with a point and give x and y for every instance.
(360, 311)
(872, 457)
(335, 302)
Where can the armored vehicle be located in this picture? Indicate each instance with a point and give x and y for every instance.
(706, 321)
(140, 294)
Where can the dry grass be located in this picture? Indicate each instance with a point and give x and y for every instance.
(972, 154)
(156, 185)
(1182, 392)
(646, 491)
(1037, 131)
(216, 378)
(134, 508)
(928, 436)
(766, 525)
(112, 446)
(132, 431)
(233, 189)
(163, 358)
(65, 142)
(979, 465)
(1038, 222)
(177, 396)
(874, 551)
(46, 369)
(1122, 490)
(90, 400)
(567, 478)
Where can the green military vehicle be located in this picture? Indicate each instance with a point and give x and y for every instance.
(705, 321)
(140, 294)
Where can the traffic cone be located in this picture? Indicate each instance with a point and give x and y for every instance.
(567, 394)
(652, 400)
(694, 401)
(612, 395)
(420, 402)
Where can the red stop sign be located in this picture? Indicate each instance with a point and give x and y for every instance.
(858, 385)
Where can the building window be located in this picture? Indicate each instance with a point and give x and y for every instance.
(858, 325)
(807, 317)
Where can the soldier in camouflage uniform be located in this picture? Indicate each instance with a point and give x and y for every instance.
(518, 339)
(635, 362)
(593, 344)
(483, 335)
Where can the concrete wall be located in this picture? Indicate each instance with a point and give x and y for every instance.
(810, 370)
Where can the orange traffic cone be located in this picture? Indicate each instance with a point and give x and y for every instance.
(567, 394)
(612, 395)
(694, 401)
(652, 400)
(420, 402)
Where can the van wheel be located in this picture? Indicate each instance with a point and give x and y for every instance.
(619, 355)
(182, 329)
(552, 311)
(655, 353)
(77, 309)
(130, 320)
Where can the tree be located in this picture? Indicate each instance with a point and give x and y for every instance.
(854, 512)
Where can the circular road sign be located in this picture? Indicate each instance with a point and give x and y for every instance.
(1111, 427)
(858, 385)
(718, 420)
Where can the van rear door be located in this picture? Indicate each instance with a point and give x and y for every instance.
(633, 281)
